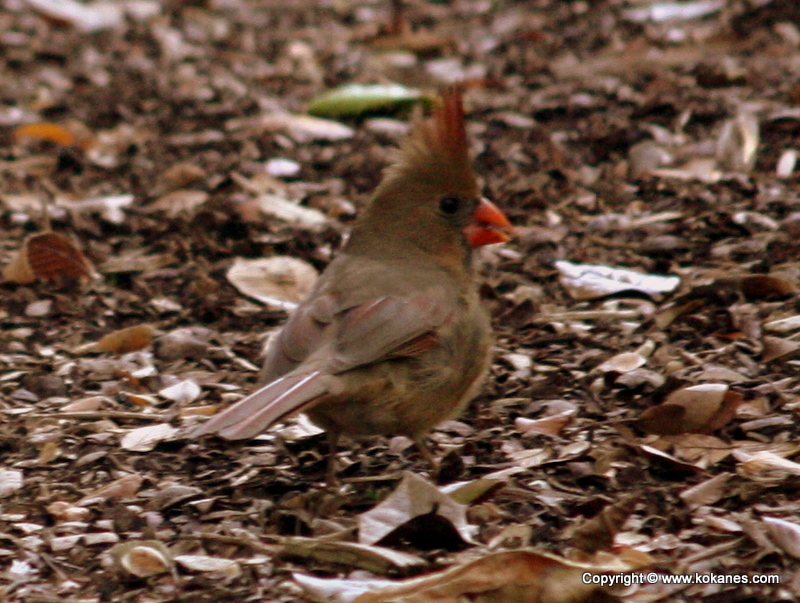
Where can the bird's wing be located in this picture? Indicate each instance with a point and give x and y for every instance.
(389, 327)
(302, 334)
(382, 328)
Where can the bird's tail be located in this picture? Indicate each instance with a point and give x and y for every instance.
(275, 401)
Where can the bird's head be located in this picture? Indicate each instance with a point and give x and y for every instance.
(429, 197)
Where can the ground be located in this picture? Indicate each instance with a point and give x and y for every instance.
(610, 133)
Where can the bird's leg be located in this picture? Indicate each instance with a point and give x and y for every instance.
(426, 453)
(333, 444)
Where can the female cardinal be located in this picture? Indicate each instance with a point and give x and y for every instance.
(393, 339)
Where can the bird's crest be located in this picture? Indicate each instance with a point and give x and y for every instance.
(437, 146)
(444, 131)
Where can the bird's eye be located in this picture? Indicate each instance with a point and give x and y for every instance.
(449, 205)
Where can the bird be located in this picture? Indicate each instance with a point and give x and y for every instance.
(393, 339)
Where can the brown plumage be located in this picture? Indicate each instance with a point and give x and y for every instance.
(393, 339)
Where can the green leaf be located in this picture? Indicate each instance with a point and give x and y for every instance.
(357, 99)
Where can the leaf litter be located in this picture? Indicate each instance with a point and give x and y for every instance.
(648, 157)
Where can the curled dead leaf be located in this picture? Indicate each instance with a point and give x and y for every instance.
(122, 341)
(414, 497)
(142, 558)
(560, 413)
(698, 409)
(55, 133)
(279, 281)
(757, 287)
(49, 256)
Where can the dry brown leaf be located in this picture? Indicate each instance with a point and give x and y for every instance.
(376, 559)
(469, 492)
(183, 201)
(707, 492)
(598, 532)
(48, 256)
(124, 487)
(550, 425)
(623, 362)
(698, 409)
(778, 347)
(756, 287)
(129, 339)
(46, 131)
(699, 449)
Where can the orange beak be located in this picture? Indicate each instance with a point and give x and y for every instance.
(489, 225)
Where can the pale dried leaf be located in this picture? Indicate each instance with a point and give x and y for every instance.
(146, 438)
(183, 201)
(279, 281)
(765, 464)
(206, 563)
(658, 12)
(738, 142)
(550, 425)
(414, 496)
(302, 128)
(183, 392)
(786, 164)
(707, 492)
(623, 362)
(467, 493)
(784, 325)
(590, 281)
(786, 534)
(124, 487)
(10, 481)
(777, 347)
(283, 209)
(110, 207)
(92, 16)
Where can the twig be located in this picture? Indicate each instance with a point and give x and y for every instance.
(270, 549)
(101, 414)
